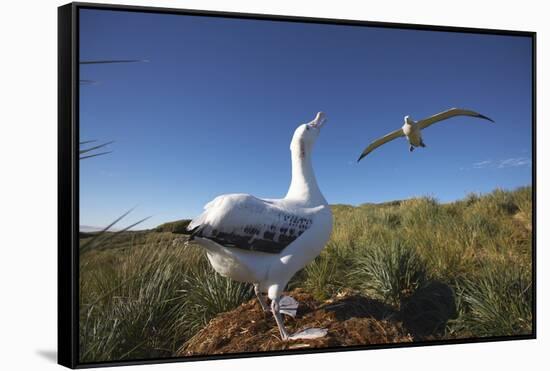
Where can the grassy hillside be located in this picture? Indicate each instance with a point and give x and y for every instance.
(455, 270)
(179, 227)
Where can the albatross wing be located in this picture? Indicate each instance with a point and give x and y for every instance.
(378, 142)
(447, 115)
(246, 222)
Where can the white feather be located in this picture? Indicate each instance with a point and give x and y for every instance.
(248, 219)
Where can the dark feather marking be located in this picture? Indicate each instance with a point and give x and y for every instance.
(243, 242)
(485, 117)
(194, 232)
(251, 240)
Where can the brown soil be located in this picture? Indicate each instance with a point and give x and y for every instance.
(350, 319)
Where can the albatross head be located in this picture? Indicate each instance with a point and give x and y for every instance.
(408, 120)
(306, 134)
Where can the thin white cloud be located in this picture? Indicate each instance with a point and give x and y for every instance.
(482, 164)
(501, 164)
(514, 162)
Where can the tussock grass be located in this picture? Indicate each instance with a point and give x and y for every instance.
(321, 277)
(498, 302)
(390, 273)
(143, 294)
(479, 247)
(475, 247)
(206, 294)
(144, 301)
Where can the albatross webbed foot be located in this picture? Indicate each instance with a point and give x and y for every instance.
(289, 306)
(310, 333)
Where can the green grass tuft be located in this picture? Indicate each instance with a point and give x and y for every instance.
(207, 294)
(390, 273)
(498, 302)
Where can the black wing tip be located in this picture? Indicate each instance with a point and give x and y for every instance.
(363, 155)
(485, 117)
(476, 114)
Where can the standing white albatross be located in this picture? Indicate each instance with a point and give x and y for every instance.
(266, 241)
(412, 129)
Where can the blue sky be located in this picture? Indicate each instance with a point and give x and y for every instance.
(214, 110)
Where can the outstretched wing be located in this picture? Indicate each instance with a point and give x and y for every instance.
(249, 223)
(447, 115)
(378, 142)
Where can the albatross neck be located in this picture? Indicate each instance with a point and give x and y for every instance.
(303, 186)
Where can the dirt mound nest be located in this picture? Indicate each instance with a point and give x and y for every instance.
(350, 319)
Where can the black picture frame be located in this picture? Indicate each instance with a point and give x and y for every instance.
(68, 177)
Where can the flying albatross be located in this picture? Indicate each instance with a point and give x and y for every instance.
(412, 129)
(266, 241)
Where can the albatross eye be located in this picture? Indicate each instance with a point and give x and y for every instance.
(307, 127)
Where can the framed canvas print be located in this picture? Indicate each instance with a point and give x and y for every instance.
(237, 185)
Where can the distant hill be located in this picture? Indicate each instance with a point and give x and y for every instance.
(387, 203)
(178, 226)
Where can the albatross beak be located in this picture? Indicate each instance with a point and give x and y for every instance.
(319, 120)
